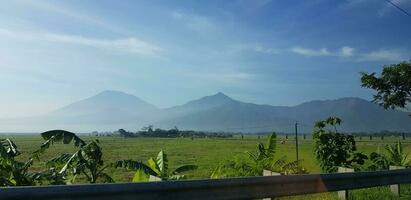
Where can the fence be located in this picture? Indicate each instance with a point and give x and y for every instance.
(230, 188)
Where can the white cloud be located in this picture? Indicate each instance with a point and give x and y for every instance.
(311, 52)
(130, 44)
(252, 47)
(347, 51)
(385, 55)
(392, 55)
(195, 22)
(261, 49)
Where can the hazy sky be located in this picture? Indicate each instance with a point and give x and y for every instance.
(277, 52)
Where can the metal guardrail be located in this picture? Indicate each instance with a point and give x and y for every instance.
(230, 188)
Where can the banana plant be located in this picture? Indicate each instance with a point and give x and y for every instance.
(265, 152)
(155, 167)
(87, 160)
(13, 172)
(265, 158)
(58, 136)
(17, 173)
(397, 156)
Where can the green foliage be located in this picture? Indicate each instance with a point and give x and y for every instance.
(134, 165)
(157, 167)
(87, 160)
(238, 166)
(397, 156)
(17, 173)
(333, 149)
(57, 136)
(13, 172)
(393, 86)
(264, 158)
(378, 162)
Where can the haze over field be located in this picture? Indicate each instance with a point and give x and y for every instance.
(112, 110)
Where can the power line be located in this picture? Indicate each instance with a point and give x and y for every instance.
(398, 7)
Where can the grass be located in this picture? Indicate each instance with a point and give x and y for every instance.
(207, 153)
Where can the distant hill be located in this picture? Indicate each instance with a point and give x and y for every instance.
(111, 110)
(106, 107)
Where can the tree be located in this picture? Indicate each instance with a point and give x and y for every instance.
(156, 167)
(148, 128)
(87, 160)
(125, 133)
(333, 149)
(393, 86)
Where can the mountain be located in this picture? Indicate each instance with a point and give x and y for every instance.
(107, 110)
(221, 113)
(226, 114)
(111, 110)
(108, 107)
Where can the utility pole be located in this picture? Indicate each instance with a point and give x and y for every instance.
(296, 139)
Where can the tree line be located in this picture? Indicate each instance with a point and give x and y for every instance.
(150, 131)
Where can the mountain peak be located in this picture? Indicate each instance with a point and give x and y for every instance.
(220, 95)
(110, 101)
(112, 93)
(214, 100)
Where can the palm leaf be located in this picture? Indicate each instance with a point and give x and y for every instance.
(185, 168)
(252, 156)
(153, 165)
(27, 165)
(8, 148)
(106, 178)
(58, 136)
(69, 161)
(62, 135)
(59, 160)
(272, 145)
(277, 165)
(134, 165)
(261, 152)
(177, 177)
(162, 163)
(140, 176)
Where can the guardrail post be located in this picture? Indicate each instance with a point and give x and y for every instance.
(269, 173)
(154, 179)
(395, 189)
(343, 194)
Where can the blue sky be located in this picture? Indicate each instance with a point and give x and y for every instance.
(274, 52)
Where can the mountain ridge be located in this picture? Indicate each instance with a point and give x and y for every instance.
(111, 110)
